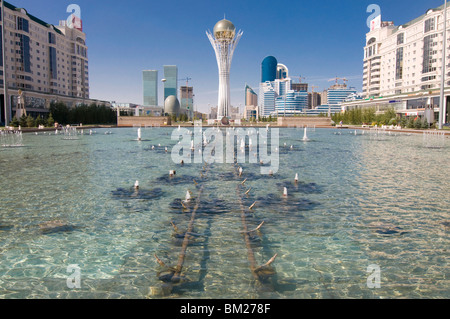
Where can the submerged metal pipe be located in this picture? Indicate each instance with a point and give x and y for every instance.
(258, 272)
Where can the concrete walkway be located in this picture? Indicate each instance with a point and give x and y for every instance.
(403, 130)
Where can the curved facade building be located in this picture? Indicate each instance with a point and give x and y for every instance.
(269, 69)
(251, 98)
(292, 103)
(282, 72)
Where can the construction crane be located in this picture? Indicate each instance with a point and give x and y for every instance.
(336, 80)
(299, 78)
(345, 81)
(187, 79)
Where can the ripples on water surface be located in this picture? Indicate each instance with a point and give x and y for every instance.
(360, 200)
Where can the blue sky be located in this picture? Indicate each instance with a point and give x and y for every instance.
(315, 40)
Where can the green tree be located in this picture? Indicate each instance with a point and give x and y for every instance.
(403, 122)
(389, 115)
(39, 120)
(90, 114)
(30, 121)
(60, 112)
(50, 120)
(418, 123)
(424, 123)
(368, 115)
(410, 123)
(357, 117)
(14, 122)
(23, 121)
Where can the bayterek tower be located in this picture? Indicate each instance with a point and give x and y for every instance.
(224, 42)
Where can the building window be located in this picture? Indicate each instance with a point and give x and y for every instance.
(428, 54)
(53, 65)
(22, 24)
(1, 46)
(24, 52)
(371, 41)
(429, 78)
(399, 64)
(51, 38)
(429, 25)
(400, 38)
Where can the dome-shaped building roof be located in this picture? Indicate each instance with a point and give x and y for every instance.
(172, 105)
(269, 69)
(224, 29)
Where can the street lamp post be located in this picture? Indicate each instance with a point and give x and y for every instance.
(5, 84)
(443, 100)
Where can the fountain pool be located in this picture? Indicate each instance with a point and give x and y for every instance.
(359, 201)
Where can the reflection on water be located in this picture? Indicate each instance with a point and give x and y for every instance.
(360, 200)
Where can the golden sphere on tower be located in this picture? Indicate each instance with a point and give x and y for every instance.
(224, 29)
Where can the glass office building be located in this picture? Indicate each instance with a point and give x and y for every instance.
(268, 95)
(150, 80)
(293, 102)
(269, 69)
(337, 95)
(282, 86)
(171, 83)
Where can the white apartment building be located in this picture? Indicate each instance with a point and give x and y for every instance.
(46, 62)
(404, 59)
(270, 90)
(403, 64)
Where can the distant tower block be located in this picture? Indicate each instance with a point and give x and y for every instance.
(224, 42)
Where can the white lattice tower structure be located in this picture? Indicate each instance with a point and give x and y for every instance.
(224, 41)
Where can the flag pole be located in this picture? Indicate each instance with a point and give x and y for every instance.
(443, 100)
(5, 85)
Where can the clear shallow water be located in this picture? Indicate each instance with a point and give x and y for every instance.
(361, 200)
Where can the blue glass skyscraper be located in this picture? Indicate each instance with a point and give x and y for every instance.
(150, 80)
(171, 83)
(269, 69)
